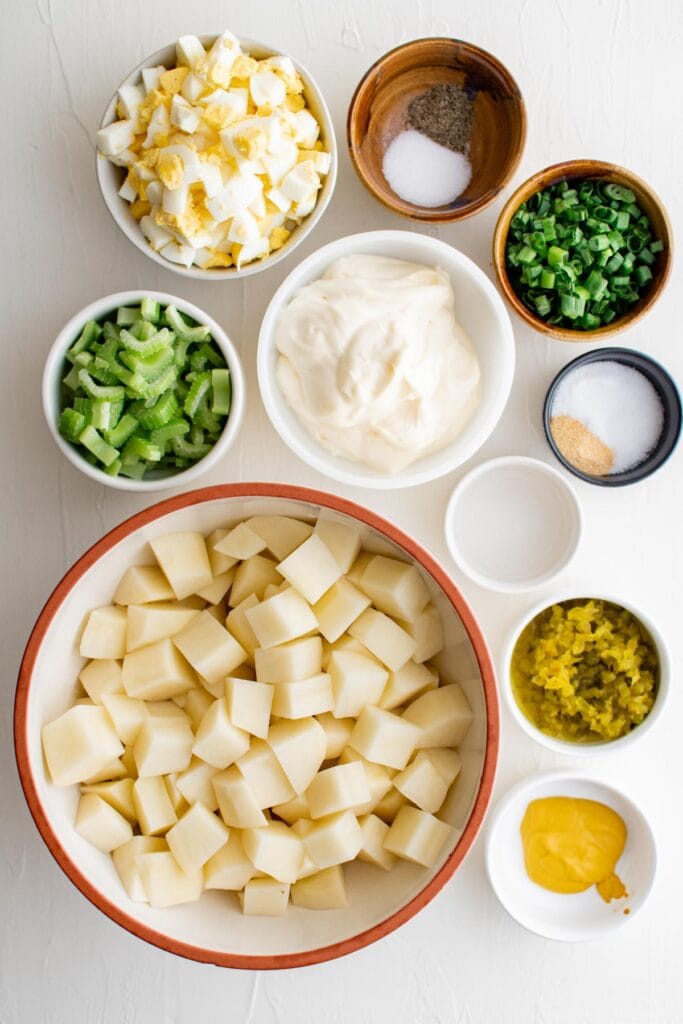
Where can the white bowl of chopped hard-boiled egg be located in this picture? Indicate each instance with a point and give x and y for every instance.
(257, 725)
(217, 156)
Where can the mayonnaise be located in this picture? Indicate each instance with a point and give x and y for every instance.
(374, 363)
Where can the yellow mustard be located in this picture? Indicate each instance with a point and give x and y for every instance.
(571, 844)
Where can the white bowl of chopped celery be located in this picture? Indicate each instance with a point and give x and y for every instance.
(196, 233)
(143, 391)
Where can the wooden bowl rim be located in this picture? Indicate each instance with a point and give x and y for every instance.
(582, 167)
(476, 205)
(490, 692)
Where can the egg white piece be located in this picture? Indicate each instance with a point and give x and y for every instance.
(116, 137)
(176, 252)
(151, 76)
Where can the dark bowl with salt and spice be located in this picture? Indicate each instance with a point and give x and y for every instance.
(436, 129)
(612, 417)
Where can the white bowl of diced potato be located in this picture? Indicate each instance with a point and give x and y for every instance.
(111, 177)
(257, 725)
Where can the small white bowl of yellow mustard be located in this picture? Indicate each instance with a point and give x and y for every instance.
(570, 857)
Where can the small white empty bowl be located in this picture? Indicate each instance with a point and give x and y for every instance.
(579, 916)
(513, 523)
(478, 308)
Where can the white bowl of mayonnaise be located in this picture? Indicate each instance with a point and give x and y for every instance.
(385, 359)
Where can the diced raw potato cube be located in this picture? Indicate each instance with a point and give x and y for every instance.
(229, 868)
(153, 806)
(417, 836)
(196, 837)
(325, 890)
(299, 659)
(446, 761)
(390, 805)
(119, 794)
(264, 775)
(281, 534)
(195, 784)
(236, 800)
(141, 584)
(249, 705)
(128, 763)
(337, 732)
(184, 560)
(163, 745)
(333, 840)
(372, 851)
(427, 632)
(422, 784)
(303, 698)
(100, 824)
(357, 680)
(338, 608)
(104, 635)
(293, 809)
(384, 737)
(299, 747)
(127, 714)
(241, 542)
(112, 770)
(219, 563)
(124, 862)
(270, 591)
(265, 897)
(383, 638)
(216, 591)
(443, 716)
(378, 777)
(101, 676)
(338, 788)
(197, 703)
(157, 672)
(178, 801)
(341, 540)
(212, 651)
(165, 709)
(164, 882)
(344, 643)
(355, 573)
(252, 577)
(409, 682)
(79, 743)
(244, 671)
(149, 623)
(238, 624)
(396, 588)
(218, 741)
(280, 618)
(311, 568)
(302, 827)
(275, 850)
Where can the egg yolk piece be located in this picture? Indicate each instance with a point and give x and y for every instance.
(571, 844)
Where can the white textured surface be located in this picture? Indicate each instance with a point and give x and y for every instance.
(597, 77)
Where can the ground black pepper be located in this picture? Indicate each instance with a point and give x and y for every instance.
(444, 113)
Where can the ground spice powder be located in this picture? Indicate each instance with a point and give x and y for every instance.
(444, 113)
(581, 447)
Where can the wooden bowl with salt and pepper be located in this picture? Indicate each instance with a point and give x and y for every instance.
(572, 171)
(445, 108)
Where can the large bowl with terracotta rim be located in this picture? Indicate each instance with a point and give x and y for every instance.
(378, 110)
(213, 929)
(573, 170)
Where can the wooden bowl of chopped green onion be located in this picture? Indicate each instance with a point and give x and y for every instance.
(143, 391)
(582, 250)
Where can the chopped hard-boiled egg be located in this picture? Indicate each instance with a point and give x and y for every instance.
(222, 153)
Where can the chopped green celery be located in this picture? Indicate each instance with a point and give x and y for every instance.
(115, 394)
(141, 448)
(163, 435)
(135, 469)
(71, 380)
(185, 450)
(162, 412)
(196, 435)
(150, 310)
(127, 315)
(200, 387)
(71, 424)
(181, 346)
(101, 414)
(160, 339)
(143, 330)
(86, 338)
(163, 382)
(221, 386)
(111, 332)
(114, 469)
(197, 333)
(212, 355)
(119, 434)
(97, 446)
(148, 367)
